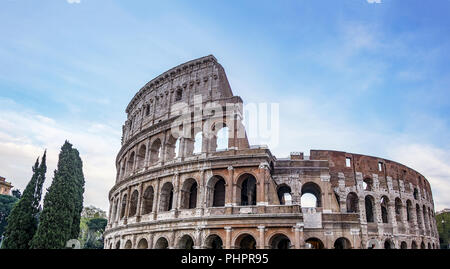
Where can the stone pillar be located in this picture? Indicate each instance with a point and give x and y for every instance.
(127, 207)
(176, 191)
(228, 231)
(299, 236)
(156, 199)
(139, 203)
(261, 241)
(328, 238)
(261, 194)
(355, 234)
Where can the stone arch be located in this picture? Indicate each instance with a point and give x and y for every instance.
(189, 194)
(388, 244)
(384, 205)
(373, 244)
(367, 184)
(416, 194)
(245, 241)
(128, 245)
(147, 200)
(422, 245)
(141, 156)
(216, 191)
(313, 189)
(219, 137)
(130, 164)
(115, 210)
(143, 244)
(429, 245)
(118, 244)
(352, 202)
(155, 151)
(369, 202)
(280, 241)
(198, 143)
(162, 243)
(124, 165)
(214, 241)
(413, 245)
(398, 209)
(123, 207)
(425, 217)
(133, 203)
(166, 200)
(418, 216)
(172, 147)
(409, 208)
(315, 243)
(342, 243)
(403, 245)
(247, 189)
(186, 242)
(284, 194)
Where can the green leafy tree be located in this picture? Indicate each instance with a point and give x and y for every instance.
(16, 193)
(62, 203)
(96, 228)
(6, 204)
(23, 220)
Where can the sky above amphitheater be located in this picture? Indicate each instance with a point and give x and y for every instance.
(363, 76)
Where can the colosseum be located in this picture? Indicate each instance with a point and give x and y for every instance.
(177, 189)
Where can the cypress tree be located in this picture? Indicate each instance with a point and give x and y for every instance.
(61, 202)
(23, 220)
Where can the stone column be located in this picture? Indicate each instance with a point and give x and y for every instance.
(127, 207)
(201, 193)
(155, 209)
(176, 191)
(139, 203)
(228, 231)
(261, 243)
(299, 236)
(355, 234)
(230, 195)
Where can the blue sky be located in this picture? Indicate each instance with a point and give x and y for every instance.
(370, 78)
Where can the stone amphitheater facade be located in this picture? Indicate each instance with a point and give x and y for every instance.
(167, 195)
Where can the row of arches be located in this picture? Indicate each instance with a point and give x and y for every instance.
(243, 241)
(310, 196)
(174, 147)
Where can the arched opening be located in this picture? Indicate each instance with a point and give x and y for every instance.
(422, 245)
(124, 164)
(220, 139)
(128, 245)
(166, 201)
(116, 208)
(284, 194)
(342, 243)
(124, 206)
(186, 242)
(429, 246)
(118, 245)
(280, 241)
(425, 219)
(142, 244)
(352, 203)
(130, 165)
(189, 194)
(155, 151)
(413, 245)
(314, 243)
(246, 241)
(434, 246)
(419, 219)
(384, 209)
(369, 208)
(214, 242)
(133, 203)
(172, 148)
(388, 244)
(141, 156)
(408, 210)
(198, 143)
(368, 184)
(247, 186)
(162, 243)
(416, 194)
(403, 245)
(216, 191)
(398, 209)
(147, 200)
(311, 195)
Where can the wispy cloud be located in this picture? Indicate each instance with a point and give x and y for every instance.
(73, 1)
(374, 1)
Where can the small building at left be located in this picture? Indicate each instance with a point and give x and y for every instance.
(5, 187)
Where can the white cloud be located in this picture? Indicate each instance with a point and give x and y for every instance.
(73, 1)
(374, 1)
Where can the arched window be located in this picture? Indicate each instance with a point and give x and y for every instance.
(124, 164)
(166, 200)
(342, 243)
(247, 186)
(118, 245)
(388, 244)
(216, 191)
(352, 203)
(284, 194)
(403, 245)
(419, 219)
(162, 243)
(425, 219)
(147, 200)
(413, 245)
(367, 184)
(280, 241)
(115, 208)
(186, 242)
(155, 151)
(369, 208)
(422, 245)
(172, 148)
(133, 203)
(246, 241)
(314, 243)
(130, 164)
(398, 209)
(178, 95)
(311, 195)
(128, 245)
(221, 140)
(408, 210)
(141, 156)
(142, 244)
(384, 209)
(214, 242)
(124, 206)
(198, 143)
(416, 194)
(189, 194)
